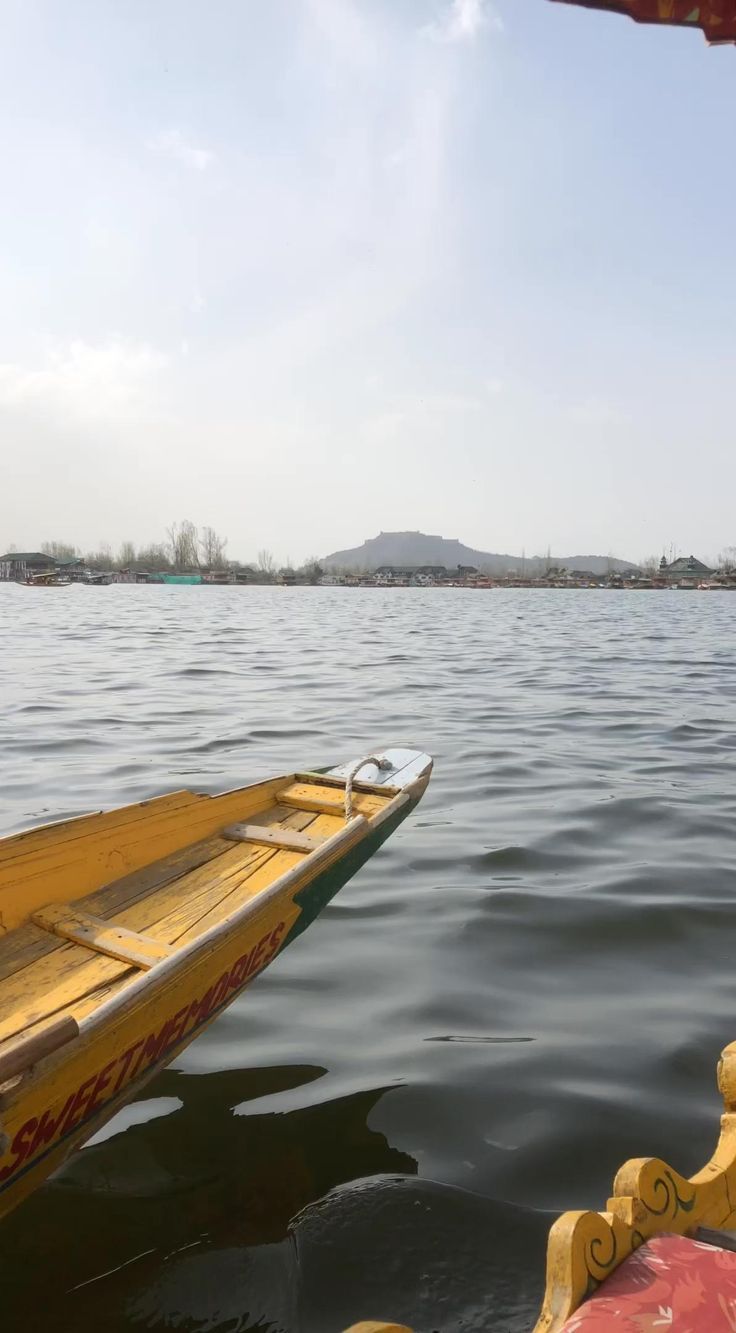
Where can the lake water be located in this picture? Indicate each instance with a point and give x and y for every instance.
(530, 983)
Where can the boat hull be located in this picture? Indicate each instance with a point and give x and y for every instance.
(73, 1094)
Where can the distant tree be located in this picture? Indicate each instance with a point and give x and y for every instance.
(153, 557)
(59, 550)
(649, 566)
(101, 559)
(183, 545)
(312, 569)
(213, 548)
(727, 560)
(126, 556)
(266, 563)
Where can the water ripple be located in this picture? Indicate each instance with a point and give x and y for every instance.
(528, 985)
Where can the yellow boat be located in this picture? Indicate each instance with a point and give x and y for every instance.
(125, 933)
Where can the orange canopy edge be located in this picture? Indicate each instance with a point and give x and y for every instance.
(716, 18)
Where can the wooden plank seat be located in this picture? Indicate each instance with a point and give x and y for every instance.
(323, 799)
(328, 780)
(101, 936)
(269, 837)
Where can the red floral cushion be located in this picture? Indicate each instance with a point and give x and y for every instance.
(669, 1285)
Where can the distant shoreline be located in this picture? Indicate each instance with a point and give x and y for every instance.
(724, 584)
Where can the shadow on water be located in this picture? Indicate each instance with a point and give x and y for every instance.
(206, 1218)
(433, 1256)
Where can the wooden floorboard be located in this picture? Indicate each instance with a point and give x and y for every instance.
(54, 983)
(36, 877)
(25, 945)
(34, 991)
(121, 893)
(259, 879)
(188, 915)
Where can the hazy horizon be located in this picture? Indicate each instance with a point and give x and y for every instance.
(308, 271)
(278, 561)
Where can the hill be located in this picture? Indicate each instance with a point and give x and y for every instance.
(419, 548)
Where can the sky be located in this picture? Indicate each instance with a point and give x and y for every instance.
(308, 270)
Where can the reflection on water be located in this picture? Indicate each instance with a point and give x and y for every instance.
(210, 1218)
(529, 984)
(212, 1175)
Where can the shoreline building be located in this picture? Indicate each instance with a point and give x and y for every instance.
(686, 569)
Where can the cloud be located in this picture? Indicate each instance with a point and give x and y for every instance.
(345, 28)
(596, 412)
(411, 413)
(98, 235)
(171, 143)
(462, 21)
(83, 381)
